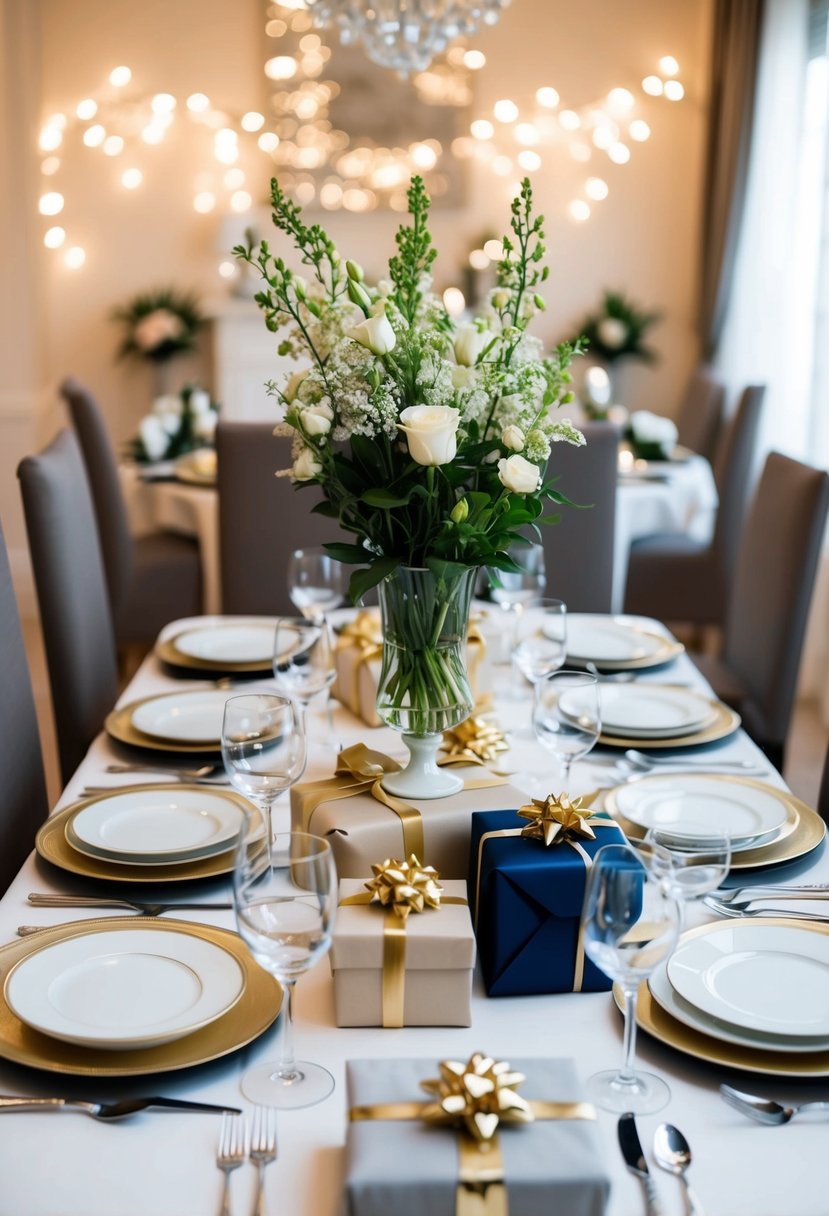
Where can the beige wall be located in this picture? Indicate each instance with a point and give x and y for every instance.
(643, 239)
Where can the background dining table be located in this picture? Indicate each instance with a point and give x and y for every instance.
(163, 1163)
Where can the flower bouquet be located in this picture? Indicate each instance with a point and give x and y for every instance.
(159, 325)
(617, 330)
(179, 423)
(430, 439)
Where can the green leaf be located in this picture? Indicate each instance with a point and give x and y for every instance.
(343, 552)
(362, 581)
(385, 499)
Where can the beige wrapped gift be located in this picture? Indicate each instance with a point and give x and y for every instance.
(363, 822)
(358, 658)
(391, 971)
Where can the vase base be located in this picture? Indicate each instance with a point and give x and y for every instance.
(421, 778)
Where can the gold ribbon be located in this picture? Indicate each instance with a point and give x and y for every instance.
(476, 649)
(360, 770)
(539, 811)
(365, 635)
(400, 887)
(476, 1098)
(475, 740)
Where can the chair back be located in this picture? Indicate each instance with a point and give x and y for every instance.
(72, 595)
(578, 551)
(769, 604)
(823, 794)
(108, 500)
(733, 474)
(24, 804)
(262, 518)
(700, 413)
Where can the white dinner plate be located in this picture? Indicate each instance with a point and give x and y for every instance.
(156, 826)
(677, 1007)
(694, 803)
(644, 710)
(183, 717)
(124, 989)
(760, 977)
(228, 643)
(593, 638)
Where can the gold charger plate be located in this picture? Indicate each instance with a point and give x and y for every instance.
(652, 1018)
(725, 722)
(119, 725)
(167, 651)
(253, 1013)
(197, 468)
(804, 829)
(669, 649)
(52, 845)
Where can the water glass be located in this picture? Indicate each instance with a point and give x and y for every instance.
(567, 717)
(285, 898)
(690, 865)
(516, 590)
(541, 643)
(263, 748)
(629, 926)
(303, 659)
(316, 582)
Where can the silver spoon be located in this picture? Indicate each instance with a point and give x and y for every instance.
(672, 1152)
(764, 1110)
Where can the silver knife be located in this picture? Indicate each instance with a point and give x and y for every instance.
(636, 1163)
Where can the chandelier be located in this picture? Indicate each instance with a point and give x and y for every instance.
(404, 35)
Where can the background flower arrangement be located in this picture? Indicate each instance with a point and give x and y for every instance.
(617, 330)
(158, 325)
(430, 439)
(179, 423)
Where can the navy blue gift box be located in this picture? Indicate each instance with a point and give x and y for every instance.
(526, 900)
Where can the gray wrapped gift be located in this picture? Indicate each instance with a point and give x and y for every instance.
(438, 957)
(408, 1166)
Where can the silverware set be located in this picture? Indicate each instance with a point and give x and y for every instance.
(740, 901)
(233, 1148)
(766, 1110)
(108, 1111)
(671, 1153)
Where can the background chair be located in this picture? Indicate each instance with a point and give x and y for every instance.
(24, 805)
(700, 412)
(675, 578)
(769, 604)
(262, 518)
(150, 579)
(72, 595)
(823, 795)
(578, 551)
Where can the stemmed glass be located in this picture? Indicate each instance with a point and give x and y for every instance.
(516, 590)
(541, 642)
(629, 926)
(567, 717)
(688, 865)
(316, 582)
(285, 899)
(303, 661)
(263, 748)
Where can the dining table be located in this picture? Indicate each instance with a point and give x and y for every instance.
(164, 1163)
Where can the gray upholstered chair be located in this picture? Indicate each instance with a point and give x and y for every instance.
(578, 551)
(769, 602)
(675, 578)
(150, 579)
(262, 518)
(24, 804)
(823, 795)
(700, 412)
(72, 595)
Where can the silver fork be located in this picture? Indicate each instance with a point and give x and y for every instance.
(262, 1150)
(741, 913)
(179, 774)
(231, 1153)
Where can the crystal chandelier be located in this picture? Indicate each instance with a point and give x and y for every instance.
(404, 35)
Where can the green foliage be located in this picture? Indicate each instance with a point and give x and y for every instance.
(623, 337)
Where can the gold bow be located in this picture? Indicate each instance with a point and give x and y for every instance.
(475, 651)
(364, 632)
(405, 886)
(478, 1095)
(555, 819)
(475, 739)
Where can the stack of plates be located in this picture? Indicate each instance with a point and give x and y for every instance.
(120, 997)
(187, 722)
(616, 644)
(234, 647)
(767, 825)
(146, 833)
(655, 715)
(749, 994)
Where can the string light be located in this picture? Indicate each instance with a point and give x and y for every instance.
(120, 76)
(579, 210)
(131, 179)
(668, 66)
(51, 203)
(53, 238)
(75, 257)
(673, 90)
(454, 301)
(198, 103)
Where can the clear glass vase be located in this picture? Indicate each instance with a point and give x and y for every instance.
(424, 687)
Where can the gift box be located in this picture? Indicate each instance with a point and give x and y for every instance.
(363, 822)
(390, 971)
(358, 655)
(408, 1166)
(526, 900)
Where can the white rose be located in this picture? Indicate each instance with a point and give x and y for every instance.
(205, 425)
(170, 422)
(306, 466)
(612, 332)
(291, 390)
(651, 428)
(519, 475)
(167, 403)
(469, 343)
(317, 419)
(156, 328)
(513, 438)
(431, 433)
(463, 377)
(375, 333)
(153, 437)
(199, 401)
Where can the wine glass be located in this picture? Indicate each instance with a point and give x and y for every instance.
(316, 582)
(285, 900)
(629, 926)
(263, 748)
(541, 642)
(689, 865)
(567, 716)
(303, 661)
(515, 590)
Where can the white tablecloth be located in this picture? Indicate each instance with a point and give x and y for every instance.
(162, 1164)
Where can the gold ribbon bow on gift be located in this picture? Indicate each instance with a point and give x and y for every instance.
(475, 651)
(365, 634)
(475, 740)
(400, 888)
(476, 1097)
